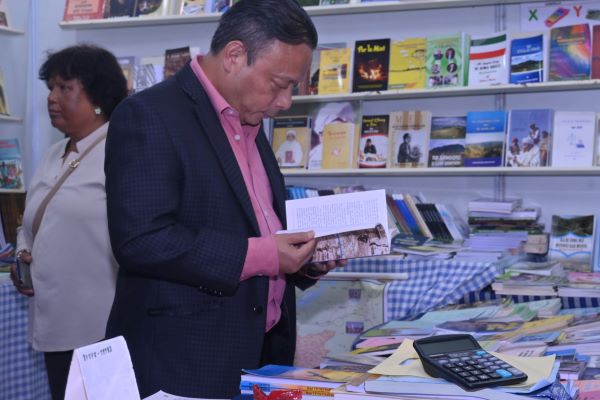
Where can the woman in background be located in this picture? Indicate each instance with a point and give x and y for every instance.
(64, 236)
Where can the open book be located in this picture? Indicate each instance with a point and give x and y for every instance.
(346, 225)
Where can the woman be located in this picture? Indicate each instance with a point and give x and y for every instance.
(67, 243)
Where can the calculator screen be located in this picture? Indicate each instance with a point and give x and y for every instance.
(447, 346)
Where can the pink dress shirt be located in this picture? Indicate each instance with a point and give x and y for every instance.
(262, 258)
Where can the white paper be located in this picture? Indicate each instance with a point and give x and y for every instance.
(102, 371)
(573, 141)
(160, 395)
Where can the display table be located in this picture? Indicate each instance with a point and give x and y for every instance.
(22, 369)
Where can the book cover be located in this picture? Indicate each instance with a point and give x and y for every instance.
(596, 52)
(346, 225)
(570, 53)
(334, 70)
(529, 138)
(444, 60)
(175, 59)
(83, 9)
(334, 2)
(488, 60)
(409, 135)
(310, 83)
(371, 65)
(121, 8)
(4, 110)
(3, 13)
(407, 64)
(373, 145)
(152, 8)
(148, 71)
(127, 64)
(434, 221)
(11, 170)
(484, 140)
(291, 136)
(597, 141)
(322, 115)
(338, 145)
(217, 6)
(572, 241)
(573, 139)
(305, 3)
(192, 7)
(447, 141)
(527, 58)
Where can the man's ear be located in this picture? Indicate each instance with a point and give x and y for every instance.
(234, 56)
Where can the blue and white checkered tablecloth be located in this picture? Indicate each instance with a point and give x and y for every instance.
(22, 369)
(430, 284)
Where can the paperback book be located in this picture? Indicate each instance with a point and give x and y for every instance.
(573, 141)
(80, 10)
(339, 145)
(291, 138)
(572, 241)
(570, 53)
(484, 139)
(127, 64)
(373, 145)
(407, 64)
(4, 13)
(334, 71)
(444, 60)
(175, 59)
(3, 98)
(488, 60)
(310, 84)
(527, 60)
(409, 134)
(596, 52)
(447, 143)
(371, 65)
(529, 138)
(11, 170)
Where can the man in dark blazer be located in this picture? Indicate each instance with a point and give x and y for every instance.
(194, 198)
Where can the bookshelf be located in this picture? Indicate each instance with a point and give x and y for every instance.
(4, 30)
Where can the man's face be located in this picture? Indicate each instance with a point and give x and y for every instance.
(264, 88)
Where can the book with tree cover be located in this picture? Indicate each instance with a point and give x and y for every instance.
(447, 141)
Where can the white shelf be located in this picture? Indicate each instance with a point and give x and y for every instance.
(404, 5)
(10, 118)
(454, 91)
(475, 171)
(10, 31)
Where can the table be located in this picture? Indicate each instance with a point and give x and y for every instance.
(22, 369)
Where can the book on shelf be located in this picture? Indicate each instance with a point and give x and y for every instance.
(407, 64)
(445, 60)
(488, 60)
(407, 216)
(334, 71)
(409, 134)
(595, 73)
(148, 71)
(371, 65)
(335, 2)
(83, 10)
(3, 13)
(192, 7)
(127, 64)
(217, 6)
(447, 141)
(291, 139)
(346, 225)
(529, 137)
(120, 8)
(434, 221)
(339, 145)
(486, 204)
(310, 83)
(527, 57)
(570, 53)
(572, 241)
(484, 139)
(4, 109)
(373, 145)
(11, 169)
(153, 8)
(305, 3)
(573, 139)
(175, 59)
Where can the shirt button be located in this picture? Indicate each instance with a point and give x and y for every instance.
(258, 309)
(237, 137)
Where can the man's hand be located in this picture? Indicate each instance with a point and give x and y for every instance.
(321, 268)
(294, 250)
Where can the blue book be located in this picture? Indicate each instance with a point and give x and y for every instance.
(529, 137)
(527, 59)
(484, 141)
(408, 216)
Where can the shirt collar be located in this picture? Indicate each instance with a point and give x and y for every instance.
(218, 101)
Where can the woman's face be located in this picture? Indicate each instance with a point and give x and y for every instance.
(69, 107)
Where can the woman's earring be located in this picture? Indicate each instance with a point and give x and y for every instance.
(97, 110)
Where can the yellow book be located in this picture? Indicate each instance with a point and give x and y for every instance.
(334, 71)
(407, 64)
(338, 145)
(291, 139)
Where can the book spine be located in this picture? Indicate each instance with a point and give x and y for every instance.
(418, 217)
(306, 390)
(408, 217)
(399, 220)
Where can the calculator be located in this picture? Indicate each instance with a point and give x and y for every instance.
(460, 359)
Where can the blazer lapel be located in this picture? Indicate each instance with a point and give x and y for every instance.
(274, 175)
(212, 128)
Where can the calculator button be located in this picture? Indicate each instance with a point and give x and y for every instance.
(457, 369)
(487, 370)
(454, 360)
(471, 378)
(487, 363)
(481, 353)
(449, 365)
(460, 364)
(503, 373)
(469, 368)
(483, 377)
(504, 365)
(515, 371)
(494, 375)
(471, 362)
(464, 374)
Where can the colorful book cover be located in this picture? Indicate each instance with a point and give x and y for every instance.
(371, 65)
(409, 135)
(444, 60)
(572, 241)
(291, 138)
(573, 140)
(447, 141)
(529, 138)
(596, 52)
(488, 60)
(570, 53)
(152, 8)
(373, 145)
(527, 58)
(334, 71)
(11, 170)
(175, 59)
(310, 83)
(338, 145)
(192, 7)
(484, 141)
(3, 98)
(407, 64)
(82, 9)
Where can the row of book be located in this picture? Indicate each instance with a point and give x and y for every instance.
(85, 9)
(334, 136)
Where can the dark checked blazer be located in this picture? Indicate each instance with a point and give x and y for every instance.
(179, 218)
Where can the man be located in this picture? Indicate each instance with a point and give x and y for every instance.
(405, 150)
(194, 198)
